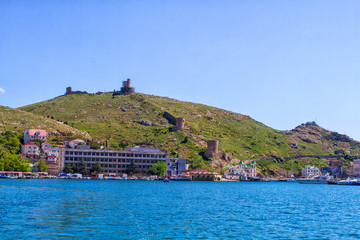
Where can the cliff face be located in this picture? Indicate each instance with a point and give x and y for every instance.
(127, 120)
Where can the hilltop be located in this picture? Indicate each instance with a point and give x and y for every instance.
(127, 120)
(15, 120)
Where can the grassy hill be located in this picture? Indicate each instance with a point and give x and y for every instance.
(14, 120)
(118, 122)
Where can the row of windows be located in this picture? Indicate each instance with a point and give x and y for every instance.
(109, 160)
(29, 148)
(106, 154)
(119, 166)
(116, 171)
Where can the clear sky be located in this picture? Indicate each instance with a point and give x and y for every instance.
(281, 62)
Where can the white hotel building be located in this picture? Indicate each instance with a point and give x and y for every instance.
(310, 171)
(115, 162)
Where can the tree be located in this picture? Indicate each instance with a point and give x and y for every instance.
(42, 167)
(97, 168)
(14, 142)
(82, 168)
(69, 168)
(12, 162)
(132, 169)
(159, 168)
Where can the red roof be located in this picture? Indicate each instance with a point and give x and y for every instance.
(33, 131)
(30, 144)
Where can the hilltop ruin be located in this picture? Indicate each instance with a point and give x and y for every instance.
(125, 90)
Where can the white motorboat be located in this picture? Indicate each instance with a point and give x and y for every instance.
(323, 179)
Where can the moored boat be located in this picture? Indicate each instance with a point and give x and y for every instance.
(323, 179)
(349, 181)
(180, 179)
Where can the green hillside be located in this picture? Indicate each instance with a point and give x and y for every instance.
(14, 120)
(121, 121)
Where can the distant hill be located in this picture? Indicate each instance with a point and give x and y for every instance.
(15, 120)
(121, 121)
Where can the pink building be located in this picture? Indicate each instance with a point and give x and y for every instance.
(30, 149)
(34, 134)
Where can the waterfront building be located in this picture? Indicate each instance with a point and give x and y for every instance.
(310, 171)
(30, 149)
(242, 171)
(355, 168)
(34, 135)
(115, 162)
(203, 175)
(176, 166)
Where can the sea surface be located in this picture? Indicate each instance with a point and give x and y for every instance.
(110, 209)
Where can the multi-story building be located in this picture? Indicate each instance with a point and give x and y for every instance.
(310, 171)
(34, 135)
(52, 154)
(115, 162)
(176, 166)
(30, 149)
(241, 172)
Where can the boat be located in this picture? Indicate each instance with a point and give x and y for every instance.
(323, 179)
(255, 179)
(349, 181)
(166, 180)
(291, 178)
(180, 179)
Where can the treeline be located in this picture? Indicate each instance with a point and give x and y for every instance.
(10, 158)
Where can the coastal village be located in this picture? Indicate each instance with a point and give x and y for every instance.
(76, 159)
(116, 164)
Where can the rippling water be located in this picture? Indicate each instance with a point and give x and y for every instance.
(94, 209)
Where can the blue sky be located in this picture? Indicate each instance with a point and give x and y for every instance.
(281, 62)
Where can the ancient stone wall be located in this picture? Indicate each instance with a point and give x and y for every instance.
(70, 91)
(170, 118)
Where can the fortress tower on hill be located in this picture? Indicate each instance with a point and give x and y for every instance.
(126, 88)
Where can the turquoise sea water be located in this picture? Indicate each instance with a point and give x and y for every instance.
(95, 209)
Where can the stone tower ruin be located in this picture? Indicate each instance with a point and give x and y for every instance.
(126, 88)
(180, 124)
(212, 149)
(68, 90)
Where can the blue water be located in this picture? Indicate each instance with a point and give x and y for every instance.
(95, 209)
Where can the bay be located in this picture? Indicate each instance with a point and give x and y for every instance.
(96, 209)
